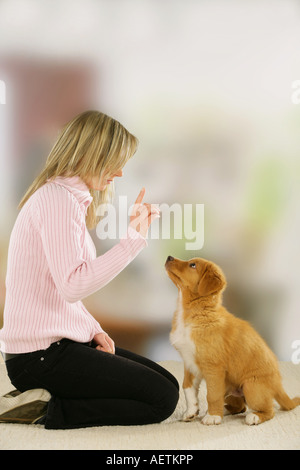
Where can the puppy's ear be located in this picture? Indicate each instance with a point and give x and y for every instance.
(210, 282)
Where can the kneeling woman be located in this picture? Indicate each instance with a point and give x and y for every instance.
(66, 369)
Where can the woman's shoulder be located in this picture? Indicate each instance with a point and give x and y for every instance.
(52, 192)
(51, 199)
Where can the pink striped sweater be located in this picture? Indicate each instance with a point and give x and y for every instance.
(52, 266)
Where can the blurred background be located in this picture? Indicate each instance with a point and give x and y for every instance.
(207, 87)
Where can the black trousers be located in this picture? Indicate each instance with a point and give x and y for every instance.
(93, 388)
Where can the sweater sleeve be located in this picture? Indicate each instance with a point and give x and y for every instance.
(62, 229)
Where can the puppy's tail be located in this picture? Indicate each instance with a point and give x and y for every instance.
(285, 401)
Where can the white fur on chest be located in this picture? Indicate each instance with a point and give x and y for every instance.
(181, 339)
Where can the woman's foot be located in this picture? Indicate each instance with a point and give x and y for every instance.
(24, 408)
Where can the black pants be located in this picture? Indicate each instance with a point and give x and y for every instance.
(93, 388)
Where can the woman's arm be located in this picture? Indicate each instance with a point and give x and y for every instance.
(61, 224)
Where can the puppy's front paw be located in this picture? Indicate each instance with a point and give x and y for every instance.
(251, 419)
(211, 419)
(190, 415)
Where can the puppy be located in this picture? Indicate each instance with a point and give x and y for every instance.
(237, 365)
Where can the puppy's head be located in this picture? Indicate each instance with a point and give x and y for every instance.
(198, 276)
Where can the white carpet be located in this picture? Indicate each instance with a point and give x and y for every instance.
(282, 432)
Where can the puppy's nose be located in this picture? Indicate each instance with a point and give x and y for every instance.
(170, 258)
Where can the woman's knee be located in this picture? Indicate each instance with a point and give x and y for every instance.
(166, 407)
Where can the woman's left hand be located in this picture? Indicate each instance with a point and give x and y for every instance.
(104, 343)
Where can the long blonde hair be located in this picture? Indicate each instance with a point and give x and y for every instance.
(88, 146)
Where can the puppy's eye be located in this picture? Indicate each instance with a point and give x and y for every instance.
(193, 265)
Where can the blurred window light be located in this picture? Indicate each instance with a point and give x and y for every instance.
(296, 94)
(2, 92)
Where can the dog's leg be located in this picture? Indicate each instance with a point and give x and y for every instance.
(260, 400)
(215, 383)
(191, 390)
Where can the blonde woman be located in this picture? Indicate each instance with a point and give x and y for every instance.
(66, 369)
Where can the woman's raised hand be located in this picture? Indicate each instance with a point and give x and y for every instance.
(143, 214)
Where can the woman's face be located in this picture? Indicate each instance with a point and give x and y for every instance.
(107, 178)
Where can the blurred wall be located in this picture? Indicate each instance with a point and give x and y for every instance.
(207, 87)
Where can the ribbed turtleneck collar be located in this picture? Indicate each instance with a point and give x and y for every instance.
(76, 186)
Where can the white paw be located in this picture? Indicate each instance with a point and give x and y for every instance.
(252, 418)
(211, 419)
(190, 415)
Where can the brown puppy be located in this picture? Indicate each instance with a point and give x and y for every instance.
(237, 365)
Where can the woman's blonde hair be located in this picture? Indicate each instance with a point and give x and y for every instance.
(88, 146)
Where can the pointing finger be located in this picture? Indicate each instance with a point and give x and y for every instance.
(140, 196)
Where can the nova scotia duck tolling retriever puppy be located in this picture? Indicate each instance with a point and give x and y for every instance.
(239, 368)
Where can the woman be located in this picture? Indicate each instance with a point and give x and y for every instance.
(66, 369)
